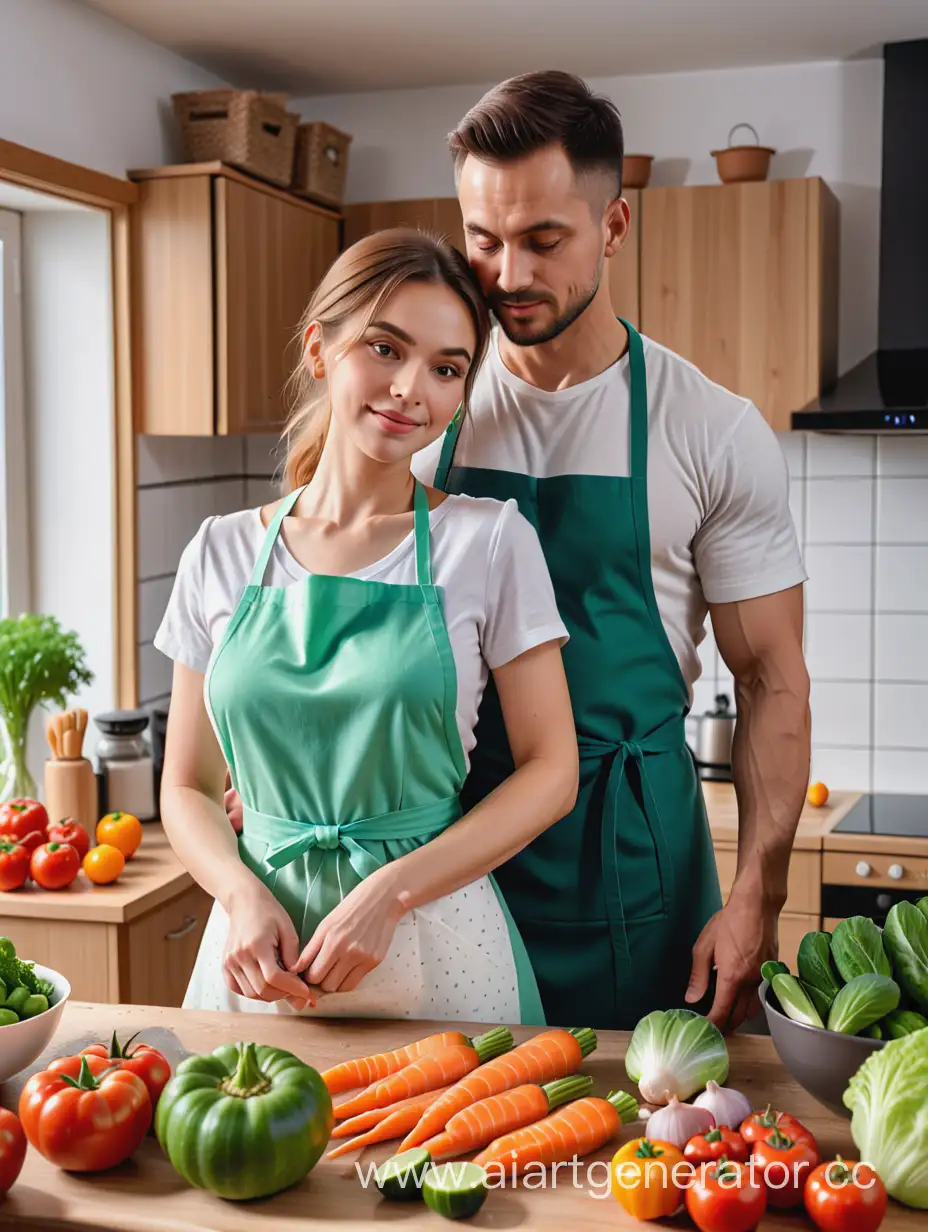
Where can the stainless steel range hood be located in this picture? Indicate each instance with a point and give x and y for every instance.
(888, 391)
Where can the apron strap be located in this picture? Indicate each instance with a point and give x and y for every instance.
(449, 444)
(423, 537)
(273, 530)
(638, 423)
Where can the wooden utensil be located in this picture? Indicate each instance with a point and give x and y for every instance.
(70, 782)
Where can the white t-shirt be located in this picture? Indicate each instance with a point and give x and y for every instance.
(718, 486)
(498, 598)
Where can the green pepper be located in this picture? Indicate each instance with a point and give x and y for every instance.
(34, 1004)
(245, 1120)
(8, 1017)
(18, 998)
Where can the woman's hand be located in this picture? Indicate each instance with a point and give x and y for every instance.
(259, 930)
(354, 937)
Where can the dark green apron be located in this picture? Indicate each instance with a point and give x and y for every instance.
(611, 899)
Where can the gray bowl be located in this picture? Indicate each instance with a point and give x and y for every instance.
(823, 1062)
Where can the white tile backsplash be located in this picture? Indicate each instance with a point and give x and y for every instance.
(793, 445)
(902, 455)
(897, 771)
(829, 456)
(841, 714)
(840, 579)
(840, 647)
(902, 578)
(170, 517)
(846, 769)
(902, 648)
(901, 716)
(902, 511)
(839, 511)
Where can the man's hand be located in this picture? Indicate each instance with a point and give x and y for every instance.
(233, 805)
(738, 940)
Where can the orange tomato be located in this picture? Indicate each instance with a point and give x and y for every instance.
(103, 864)
(648, 1178)
(121, 830)
(818, 795)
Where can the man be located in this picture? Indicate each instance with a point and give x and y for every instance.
(657, 496)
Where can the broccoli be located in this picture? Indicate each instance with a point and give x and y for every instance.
(14, 971)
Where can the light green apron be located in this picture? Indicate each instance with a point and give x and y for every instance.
(333, 700)
(611, 899)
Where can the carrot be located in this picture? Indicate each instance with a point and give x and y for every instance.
(486, 1120)
(367, 1120)
(552, 1054)
(431, 1070)
(394, 1122)
(365, 1070)
(575, 1130)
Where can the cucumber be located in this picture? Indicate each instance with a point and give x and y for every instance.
(400, 1177)
(8, 1017)
(771, 968)
(455, 1190)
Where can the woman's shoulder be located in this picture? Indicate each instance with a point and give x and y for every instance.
(225, 543)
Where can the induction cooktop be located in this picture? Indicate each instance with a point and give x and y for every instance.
(885, 813)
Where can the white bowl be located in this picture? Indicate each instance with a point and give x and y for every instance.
(22, 1042)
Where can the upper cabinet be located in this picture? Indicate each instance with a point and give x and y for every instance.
(742, 280)
(223, 268)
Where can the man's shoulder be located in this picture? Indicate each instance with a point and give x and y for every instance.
(682, 386)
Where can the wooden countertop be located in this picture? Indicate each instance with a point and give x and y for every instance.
(153, 876)
(146, 1195)
(815, 824)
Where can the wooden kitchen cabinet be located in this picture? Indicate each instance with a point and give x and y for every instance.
(801, 913)
(223, 267)
(741, 279)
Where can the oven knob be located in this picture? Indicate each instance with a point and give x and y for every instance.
(884, 901)
(863, 869)
(896, 871)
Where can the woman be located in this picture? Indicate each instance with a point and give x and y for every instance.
(345, 635)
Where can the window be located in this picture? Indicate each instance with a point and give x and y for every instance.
(14, 543)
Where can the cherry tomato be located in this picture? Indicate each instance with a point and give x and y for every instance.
(716, 1143)
(120, 830)
(103, 864)
(14, 865)
(12, 1149)
(758, 1126)
(20, 817)
(54, 865)
(726, 1197)
(68, 831)
(89, 1123)
(146, 1062)
(844, 1196)
(784, 1165)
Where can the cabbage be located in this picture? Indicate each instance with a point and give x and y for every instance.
(675, 1052)
(888, 1099)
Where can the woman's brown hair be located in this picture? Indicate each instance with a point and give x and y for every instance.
(358, 284)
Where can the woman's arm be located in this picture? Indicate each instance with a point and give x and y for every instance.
(192, 788)
(535, 702)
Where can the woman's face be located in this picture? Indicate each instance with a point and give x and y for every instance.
(397, 389)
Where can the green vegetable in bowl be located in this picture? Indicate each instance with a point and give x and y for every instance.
(905, 938)
(675, 1052)
(795, 1001)
(22, 992)
(922, 905)
(817, 970)
(902, 1022)
(771, 968)
(889, 1116)
(857, 948)
(862, 1002)
(874, 1031)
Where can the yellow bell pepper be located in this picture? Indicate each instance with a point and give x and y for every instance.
(646, 1176)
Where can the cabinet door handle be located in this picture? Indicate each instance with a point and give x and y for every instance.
(189, 924)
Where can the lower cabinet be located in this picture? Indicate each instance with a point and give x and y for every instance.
(801, 913)
(146, 961)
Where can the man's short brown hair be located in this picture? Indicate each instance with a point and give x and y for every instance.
(535, 110)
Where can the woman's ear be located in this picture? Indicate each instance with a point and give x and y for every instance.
(312, 351)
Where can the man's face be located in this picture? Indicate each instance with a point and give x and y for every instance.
(536, 237)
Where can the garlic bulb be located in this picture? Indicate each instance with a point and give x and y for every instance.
(677, 1123)
(729, 1107)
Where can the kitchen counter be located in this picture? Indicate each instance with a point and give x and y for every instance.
(153, 876)
(815, 824)
(146, 1195)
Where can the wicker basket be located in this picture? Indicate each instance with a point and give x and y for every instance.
(321, 163)
(247, 129)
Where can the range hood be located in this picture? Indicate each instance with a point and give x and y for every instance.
(888, 391)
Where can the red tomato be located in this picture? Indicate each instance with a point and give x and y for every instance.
(758, 1126)
(14, 865)
(784, 1164)
(726, 1197)
(54, 865)
(68, 831)
(712, 1145)
(89, 1124)
(19, 817)
(12, 1149)
(843, 1196)
(148, 1063)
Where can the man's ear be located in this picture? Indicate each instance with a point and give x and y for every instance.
(618, 221)
(312, 350)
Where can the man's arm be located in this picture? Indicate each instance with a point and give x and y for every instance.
(761, 642)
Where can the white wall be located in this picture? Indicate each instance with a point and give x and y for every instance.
(823, 119)
(75, 84)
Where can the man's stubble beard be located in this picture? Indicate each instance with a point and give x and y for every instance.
(575, 309)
